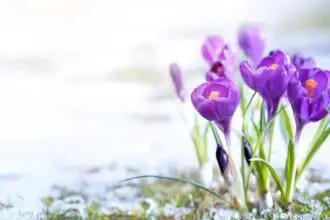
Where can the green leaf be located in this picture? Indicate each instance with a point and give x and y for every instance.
(324, 123)
(273, 173)
(262, 116)
(286, 125)
(290, 170)
(256, 129)
(249, 103)
(312, 150)
(199, 186)
(271, 135)
(259, 142)
(215, 134)
(264, 130)
(243, 95)
(200, 148)
(205, 137)
(245, 109)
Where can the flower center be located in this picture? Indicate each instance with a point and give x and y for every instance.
(217, 68)
(274, 66)
(311, 84)
(213, 95)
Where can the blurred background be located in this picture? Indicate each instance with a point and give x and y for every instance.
(84, 84)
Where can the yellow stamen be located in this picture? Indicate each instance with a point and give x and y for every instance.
(213, 95)
(311, 84)
(274, 66)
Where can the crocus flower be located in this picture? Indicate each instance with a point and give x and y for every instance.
(215, 51)
(269, 79)
(217, 101)
(300, 61)
(309, 95)
(251, 40)
(176, 76)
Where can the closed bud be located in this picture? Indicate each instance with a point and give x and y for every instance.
(247, 151)
(222, 158)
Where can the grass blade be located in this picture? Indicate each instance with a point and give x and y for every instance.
(249, 103)
(323, 125)
(216, 134)
(199, 186)
(256, 129)
(312, 151)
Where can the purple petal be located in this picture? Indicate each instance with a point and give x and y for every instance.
(321, 79)
(197, 95)
(251, 39)
(211, 76)
(248, 74)
(207, 109)
(277, 57)
(177, 81)
(300, 61)
(318, 114)
(304, 109)
(212, 46)
(317, 109)
(228, 58)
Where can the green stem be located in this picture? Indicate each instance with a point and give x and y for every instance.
(199, 148)
(292, 187)
(270, 141)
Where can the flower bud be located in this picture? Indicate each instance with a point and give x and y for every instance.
(222, 158)
(176, 76)
(247, 151)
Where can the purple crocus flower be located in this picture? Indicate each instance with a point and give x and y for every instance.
(217, 101)
(309, 96)
(300, 61)
(215, 51)
(269, 79)
(251, 40)
(176, 76)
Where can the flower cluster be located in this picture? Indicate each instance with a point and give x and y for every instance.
(277, 78)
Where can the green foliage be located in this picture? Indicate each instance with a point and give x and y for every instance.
(199, 186)
(286, 128)
(200, 141)
(320, 137)
(290, 172)
(273, 173)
